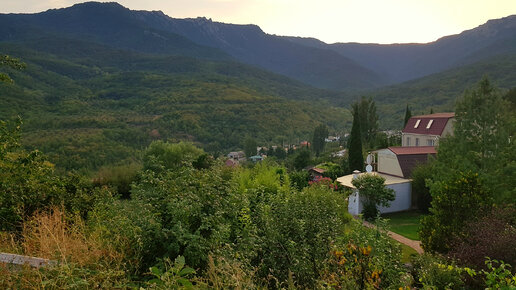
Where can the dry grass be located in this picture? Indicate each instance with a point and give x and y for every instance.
(51, 235)
(83, 260)
(224, 274)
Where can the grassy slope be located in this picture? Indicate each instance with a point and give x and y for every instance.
(405, 223)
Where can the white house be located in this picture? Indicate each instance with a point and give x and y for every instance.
(425, 130)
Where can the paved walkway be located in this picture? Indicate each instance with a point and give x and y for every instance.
(416, 245)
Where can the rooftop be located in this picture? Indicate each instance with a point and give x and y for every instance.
(389, 179)
(413, 150)
(432, 124)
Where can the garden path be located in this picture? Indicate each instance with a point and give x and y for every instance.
(416, 245)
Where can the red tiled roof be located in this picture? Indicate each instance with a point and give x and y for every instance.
(438, 124)
(413, 150)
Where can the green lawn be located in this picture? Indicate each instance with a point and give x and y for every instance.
(405, 223)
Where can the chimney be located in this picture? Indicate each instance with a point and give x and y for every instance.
(355, 174)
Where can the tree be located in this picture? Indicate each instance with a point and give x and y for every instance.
(302, 159)
(366, 110)
(10, 62)
(482, 141)
(455, 201)
(161, 156)
(372, 189)
(408, 115)
(318, 139)
(250, 146)
(356, 158)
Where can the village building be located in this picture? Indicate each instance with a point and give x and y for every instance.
(395, 164)
(237, 156)
(426, 130)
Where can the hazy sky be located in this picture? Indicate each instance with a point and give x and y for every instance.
(379, 21)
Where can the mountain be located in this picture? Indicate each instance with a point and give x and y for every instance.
(89, 105)
(440, 91)
(401, 62)
(154, 32)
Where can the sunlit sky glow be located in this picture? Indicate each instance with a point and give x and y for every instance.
(371, 21)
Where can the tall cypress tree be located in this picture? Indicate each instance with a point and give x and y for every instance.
(408, 115)
(356, 158)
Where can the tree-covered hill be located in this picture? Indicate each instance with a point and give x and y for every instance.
(440, 91)
(88, 105)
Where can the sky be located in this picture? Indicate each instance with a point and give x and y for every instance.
(365, 21)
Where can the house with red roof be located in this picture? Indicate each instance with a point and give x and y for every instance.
(395, 164)
(425, 130)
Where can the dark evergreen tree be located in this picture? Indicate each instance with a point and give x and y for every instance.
(320, 133)
(408, 115)
(366, 109)
(356, 158)
(250, 146)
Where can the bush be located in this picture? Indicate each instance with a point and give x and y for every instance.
(493, 235)
(299, 229)
(457, 200)
(431, 272)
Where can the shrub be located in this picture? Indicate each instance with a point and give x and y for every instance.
(298, 231)
(455, 201)
(420, 190)
(431, 272)
(493, 235)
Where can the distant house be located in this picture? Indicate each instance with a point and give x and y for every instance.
(316, 172)
(237, 156)
(425, 130)
(304, 144)
(340, 153)
(231, 163)
(332, 139)
(256, 158)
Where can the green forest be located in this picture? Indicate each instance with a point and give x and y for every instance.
(178, 217)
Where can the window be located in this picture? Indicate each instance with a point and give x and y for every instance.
(429, 124)
(408, 141)
(417, 123)
(430, 142)
(417, 141)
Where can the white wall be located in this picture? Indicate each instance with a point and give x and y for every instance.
(388, 163)
(402, 200)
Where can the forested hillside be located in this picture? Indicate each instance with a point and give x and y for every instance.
(88, 105)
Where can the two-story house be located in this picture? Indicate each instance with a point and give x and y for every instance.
(425, 130)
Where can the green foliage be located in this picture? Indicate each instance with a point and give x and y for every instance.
(299, 179)
(372, 189)
(10, 62)
(299, 229)
(420, 191)
(431, 272)
(118, 177)
(333, 170)
(102, 107)
(161, 156)
(355, 153)
(408, 115)
(498, 277)
(302, 159)
(365, 109)
(458, 199)
(250, 146)
(132, 228)
(28, 183)
(367, 259)
(174, 276)
(318, 139)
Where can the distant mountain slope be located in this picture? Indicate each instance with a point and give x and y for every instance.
(154, 32)
(107, 23)
(440, 91)
(89, 105)
(402, 62)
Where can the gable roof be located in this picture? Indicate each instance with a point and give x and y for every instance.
(435, 123)
(410, 157)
